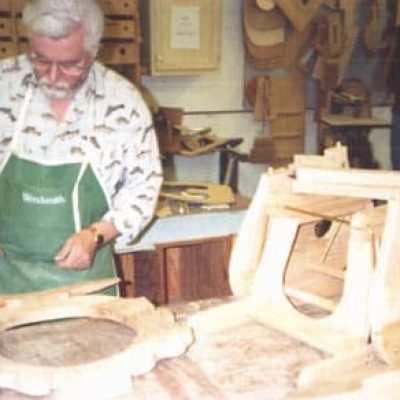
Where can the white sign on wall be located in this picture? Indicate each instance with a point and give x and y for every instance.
(185, 27)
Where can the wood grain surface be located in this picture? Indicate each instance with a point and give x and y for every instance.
(64, 343)
(250, 361)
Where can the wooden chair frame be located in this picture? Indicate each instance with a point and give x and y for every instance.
(367, 319)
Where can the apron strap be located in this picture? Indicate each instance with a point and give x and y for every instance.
(75, 198)
(15, 143)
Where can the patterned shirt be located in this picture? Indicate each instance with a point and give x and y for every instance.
(107, 122)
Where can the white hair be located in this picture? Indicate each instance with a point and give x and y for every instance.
(58, 18)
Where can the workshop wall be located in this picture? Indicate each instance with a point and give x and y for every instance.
(217, 101)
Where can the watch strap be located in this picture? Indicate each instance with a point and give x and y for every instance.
(98, 237)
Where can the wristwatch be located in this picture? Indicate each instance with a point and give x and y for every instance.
(97, 236)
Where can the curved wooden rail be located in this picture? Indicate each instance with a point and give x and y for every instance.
(156, 336)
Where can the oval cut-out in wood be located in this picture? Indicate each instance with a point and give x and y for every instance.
(157, 336)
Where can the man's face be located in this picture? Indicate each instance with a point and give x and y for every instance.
(60, 65)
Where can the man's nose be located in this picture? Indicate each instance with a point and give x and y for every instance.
(53, 72)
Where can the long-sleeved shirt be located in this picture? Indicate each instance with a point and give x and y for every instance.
(107, 121)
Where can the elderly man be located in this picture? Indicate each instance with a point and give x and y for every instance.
(79, 159)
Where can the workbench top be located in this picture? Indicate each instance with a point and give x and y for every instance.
(187, 227)
(247, 362)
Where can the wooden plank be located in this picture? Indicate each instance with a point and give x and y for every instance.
(44, 297)
(355, 176)
(228, 315)
(250, 240)
(306, 209)
(356, 191)
(329, 339)
(385, 299)
(309, 298)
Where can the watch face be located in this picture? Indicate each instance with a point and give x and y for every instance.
(97, 237)
(99, 240)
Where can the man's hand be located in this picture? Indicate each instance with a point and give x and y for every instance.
(78, 251)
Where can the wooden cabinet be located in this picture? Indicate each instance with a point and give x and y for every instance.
(182, 37)
(120, 47)
(122, 37)
(180, 271)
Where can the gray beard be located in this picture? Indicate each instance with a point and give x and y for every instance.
(61, 90)
(58, 91)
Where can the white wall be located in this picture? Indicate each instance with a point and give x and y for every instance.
(222, 93)
(380, 138)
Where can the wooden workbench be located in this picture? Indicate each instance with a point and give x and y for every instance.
(250, 361)
(182, 257)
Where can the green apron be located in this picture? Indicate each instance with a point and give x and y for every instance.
(41, 205)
